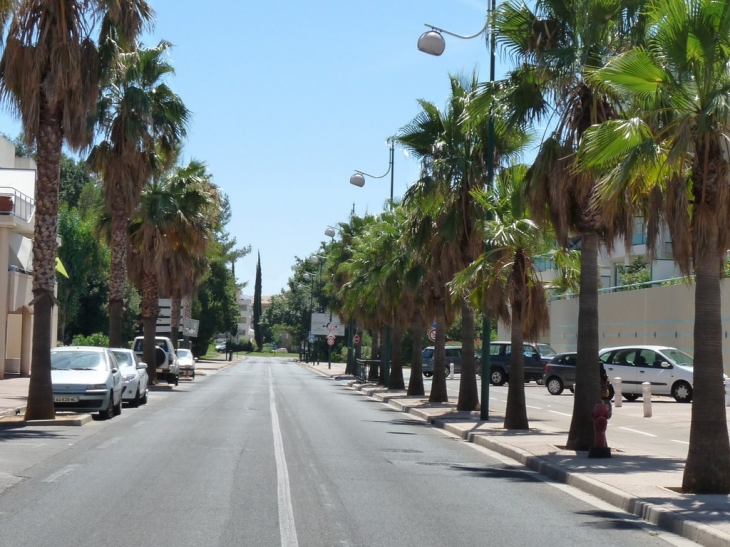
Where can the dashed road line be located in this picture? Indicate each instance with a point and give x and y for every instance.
(61, 472)
(637, 431)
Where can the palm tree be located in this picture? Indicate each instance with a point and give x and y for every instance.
(49, 74)
(669, 160)
(176, 213)
(553, 45)
(186, 262)
(143, 122)
(505, 275)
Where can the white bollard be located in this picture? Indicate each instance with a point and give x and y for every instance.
(451, 371)
(727, 392)
(646, 394)
(618, 398)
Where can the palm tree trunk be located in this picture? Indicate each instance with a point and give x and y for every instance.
(438, 385)
(587, 374)
(395, 381)
(117, 270)
(515, 416)
(49, 142)
(374, 356)
(149, 311)
(174, 319)
(707, 470)
(468, 393)
(383, 355)
(415, 384)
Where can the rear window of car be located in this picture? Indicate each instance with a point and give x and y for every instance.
(453, 352)
(77, 360)
(184, 353)
(123, 358)
(428, 353)
(545, 350)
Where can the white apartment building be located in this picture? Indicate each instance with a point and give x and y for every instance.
(17, 222)
(245, 316)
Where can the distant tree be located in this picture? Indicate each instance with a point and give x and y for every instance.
(257, 306)
(74, 178)
(215, 305)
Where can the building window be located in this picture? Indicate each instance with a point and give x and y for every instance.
(639, 237)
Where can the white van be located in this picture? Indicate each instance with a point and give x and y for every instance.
(667, 369)
(166, 359)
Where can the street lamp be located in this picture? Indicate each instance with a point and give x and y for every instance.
(358, 179)
(433, 43)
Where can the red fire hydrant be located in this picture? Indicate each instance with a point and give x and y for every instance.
(601, 414)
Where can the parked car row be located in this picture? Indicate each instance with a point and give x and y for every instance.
(94, 379)
(500, 352)
(668, 370)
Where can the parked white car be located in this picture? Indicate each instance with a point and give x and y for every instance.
(186, 363)
(166, 358)
(135, 381)
(86, 379)
(667, 369)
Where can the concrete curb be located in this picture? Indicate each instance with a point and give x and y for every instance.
(664, 518)
(62, 421)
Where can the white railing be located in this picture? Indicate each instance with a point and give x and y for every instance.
(621, 288)
(16, 203)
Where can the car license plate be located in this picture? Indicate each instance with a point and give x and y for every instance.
(159, 370)
(65, 399)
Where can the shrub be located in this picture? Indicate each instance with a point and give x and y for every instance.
(97, 339)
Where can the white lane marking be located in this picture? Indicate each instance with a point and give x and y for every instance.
(680, 442)
(535, 407)
(110, 442)
(61, 472)
(637, 431)
(287, 529)
(561, 413)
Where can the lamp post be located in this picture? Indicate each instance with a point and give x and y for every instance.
(433, 43)
(358, 179)
(314, 259)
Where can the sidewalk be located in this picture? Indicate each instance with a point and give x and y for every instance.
(14, 389)
(633, 480)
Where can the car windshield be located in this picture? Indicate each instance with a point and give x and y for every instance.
(428, 353)
(679, 357)
(123, 358)
(184, 353)
(545, 350)
(77, 360)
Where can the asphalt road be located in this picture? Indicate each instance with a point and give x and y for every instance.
(266, 453)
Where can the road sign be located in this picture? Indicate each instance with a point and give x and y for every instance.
(190, 327)
(321, 322)
(311, 337)
(356, 339)
(330, 341)
(432, 335)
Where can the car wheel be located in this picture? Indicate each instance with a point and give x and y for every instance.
(428, 374)
(554, 385)
(134, 403)
(177, 379)
(118, 407)
(682, 392)
(631, 396)
(448, 371)
(192, 376)
(143, 398)
(498, 377)
(538, 381)
(108, 414)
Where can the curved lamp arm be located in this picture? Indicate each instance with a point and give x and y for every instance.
(437, 29)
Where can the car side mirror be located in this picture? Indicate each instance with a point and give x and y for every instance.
(115, 370)
(142, 366)
(666, 365)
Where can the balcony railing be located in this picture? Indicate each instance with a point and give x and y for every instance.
(16, 203)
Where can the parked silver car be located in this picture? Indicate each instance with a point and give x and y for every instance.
(86, 379)
(668, 370)
(186, 363)
(135, 381)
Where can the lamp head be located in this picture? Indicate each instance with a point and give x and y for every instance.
(329, 232)
(358, 180)
(432, 42)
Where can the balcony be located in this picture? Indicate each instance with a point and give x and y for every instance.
(17, 211)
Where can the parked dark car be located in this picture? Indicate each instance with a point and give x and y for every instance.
(560, 373)
(536, 356)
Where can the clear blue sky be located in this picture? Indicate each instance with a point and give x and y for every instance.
(290, 97)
